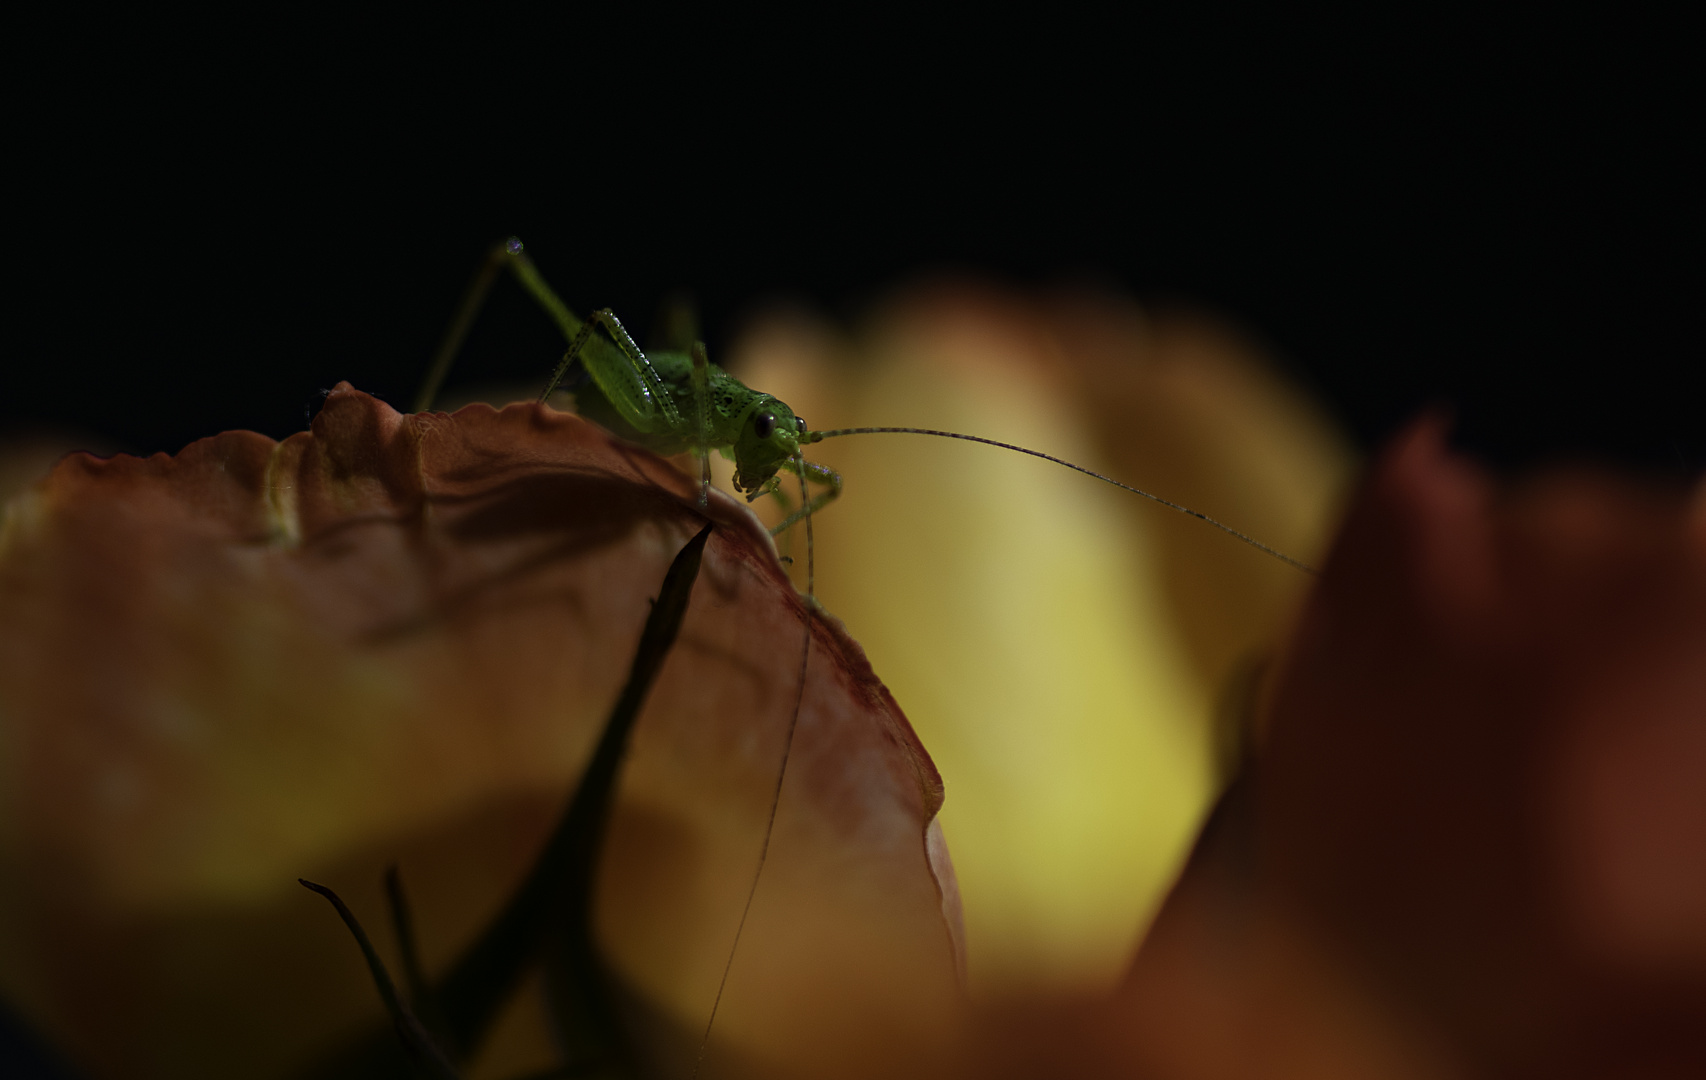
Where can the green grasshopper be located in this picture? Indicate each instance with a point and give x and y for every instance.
(673, 402)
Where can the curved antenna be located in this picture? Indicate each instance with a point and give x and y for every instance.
(819, 436)
(781, 774)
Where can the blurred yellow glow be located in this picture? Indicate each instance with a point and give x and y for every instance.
(1026, 618)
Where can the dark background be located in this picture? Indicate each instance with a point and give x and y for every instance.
(211, 223)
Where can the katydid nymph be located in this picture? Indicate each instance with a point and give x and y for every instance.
(673, 402)
(677, 401)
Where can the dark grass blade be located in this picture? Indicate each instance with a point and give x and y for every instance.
(557, 895)
(25, 1054)
(555, 901)
(429, 1060)
(422, 998)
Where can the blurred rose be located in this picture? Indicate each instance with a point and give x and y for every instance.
(1474, 842)
(393, 638)
(1062, 646)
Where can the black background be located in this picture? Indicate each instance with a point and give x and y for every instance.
(210, 223)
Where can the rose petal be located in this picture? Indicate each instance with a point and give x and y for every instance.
(394, 637)
(1473, 842)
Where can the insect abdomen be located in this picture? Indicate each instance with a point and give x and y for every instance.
(730, 399)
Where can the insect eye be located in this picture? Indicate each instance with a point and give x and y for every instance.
(800, 422)
(764, 423)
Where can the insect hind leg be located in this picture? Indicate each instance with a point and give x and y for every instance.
(505, 253)
(473, 298)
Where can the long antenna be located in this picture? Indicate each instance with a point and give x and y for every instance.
(781, 774)
(818, 436)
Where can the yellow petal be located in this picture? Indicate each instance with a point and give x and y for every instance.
(1061, 645)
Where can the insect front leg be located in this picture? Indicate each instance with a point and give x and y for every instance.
(773, 488)
(822, 475)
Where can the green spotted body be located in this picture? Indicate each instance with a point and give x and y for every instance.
(757, 430)
(673, 402)
(667, 401)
